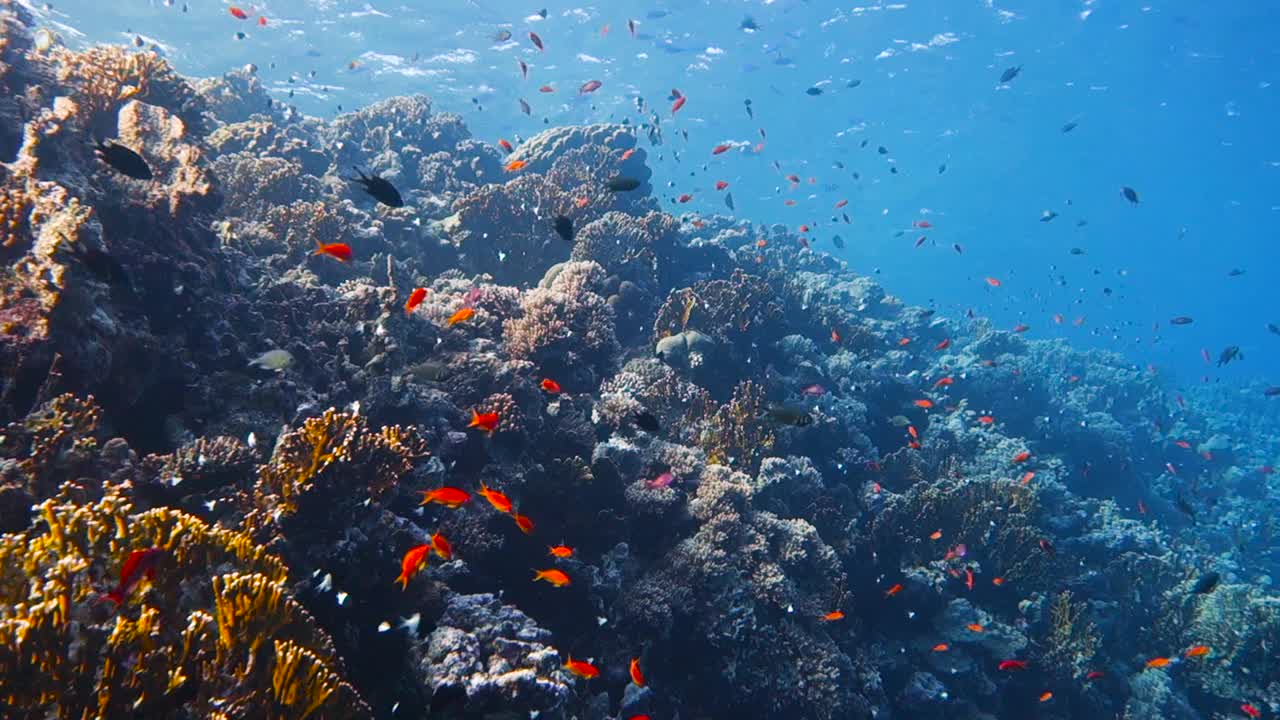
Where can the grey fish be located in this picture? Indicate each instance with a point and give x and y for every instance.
(784, 414)
(1273, 328)
(428, 371)
(728, 201)
(1010, 73)
(622, 183)
(1069, 127)
(814, 91)
(1231, 352)
(1129, 194)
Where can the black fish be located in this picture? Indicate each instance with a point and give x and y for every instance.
(1010, 73)
(1271, 391)
(647, 422)
(1275, 329)
(622, 183)
(942, 168)
(1077, 251)
(1235, 272)
(728, 201)
(1206, 584)
(1231, 352)
(815, 91)
(1181, 320)
(882, 150)
(784, 414)
(122, 160)
(379, 189)
(1129, 194)
(838, 242)
(1069, 127)
(564, 228)
(748, 24)
(1185, 507)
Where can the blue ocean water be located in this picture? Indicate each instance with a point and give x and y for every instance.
(1174, 99)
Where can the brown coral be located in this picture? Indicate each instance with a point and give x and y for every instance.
(725, 309)
(106, 77)
(735, 433)
(567, 326)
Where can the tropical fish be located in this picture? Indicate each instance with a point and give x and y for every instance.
(622, 183)
(550, 386)
(1011, 665)
(833, 616)
(1046, 696)
(1161, 662)
(556, 577)
(537, 41)
(581, 668)
(637, 677)
(487, 422)
(564, 228)
(137, 565)
(277, 360)
(1010, 73)
(441, 546)
(415, 299)
(589, 86)
(1196, 651)
(975, 627)
(943, 345)
(1129, 194)
(993, 282)
(923, 403)
(897, 588)
(1021, 457)
(451, 497)
(561, 551)
(496, 498)
(412, 562)
(237, 13)
(338, 251)
(1181, 320)
(502, 143)
(785, 414)
(516, 165)
(378, 188)
(523, 522)
(941, 647)
(679, 103)
(462, 315)
(1250, 710)
(663, 480)
(122, 160)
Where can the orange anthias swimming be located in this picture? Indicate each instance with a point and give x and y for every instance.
(496, 498)
(637, 677)
(338, 251)
(523, 522)
(441, 546)
(833, 616)
(487, 422)
(550, 386)
(415, 299)
(556, 577)
(448, 496)
(462, 315)
(560, 551)
(413, 561)
(581, 668)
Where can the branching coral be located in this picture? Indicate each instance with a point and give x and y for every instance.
(1242, 626)
(163, 649)
(55, 443)
(566, 326)
(336, 455)
(726, 309)
(735, 433)
(1072, 640)
(636, 249)
(104, 78)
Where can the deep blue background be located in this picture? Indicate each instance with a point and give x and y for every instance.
(1172, 98)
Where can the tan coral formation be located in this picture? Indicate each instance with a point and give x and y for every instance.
(162, 649)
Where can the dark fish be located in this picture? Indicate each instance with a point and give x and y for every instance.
(1077, 251)
(1048, 216)
(942, 168)
(853, 83)
(838, 242)
(622, 183)
(1069, 127)
(1206, 584)
(1129, 194)
(815, 91)
(378, 188)
(1271, 391)
(748, 24)
(524, 107)
(1185, 507)
(564, 228)
(784, 414)
(1181, 320)
(122, 160)
(1273, 328)
(1010, 73)
(882, 150)
(1231, 352)
(647, 422)
(1235, 272)
(728, 201)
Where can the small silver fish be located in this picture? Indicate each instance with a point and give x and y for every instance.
(277, 360)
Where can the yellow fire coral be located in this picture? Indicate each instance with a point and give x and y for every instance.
(162, 648)
(371, 462)
(734, 433)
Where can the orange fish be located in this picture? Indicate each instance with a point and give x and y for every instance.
(487, 422)
(943, 382)
(903, 342)
(941, 647)
(935, 535)
(835, 335)
(721, 149)
(975, 627)
(986, 419)
(338, 251)
(441, 546)
(893, 590)
(561, 551)
(262, 20)
(581, 668)
(968, 578)
(496, 498)
(997, 581)
(926, 404)
(1021, 328)
(448, 496)
(911, 430)
(582, 202)
(1026, 477)
(237, 13)
(516, 165)
(550, 385)
(502, 143)
(720, 184)
(1046, 696)
(637, 677)
(993, 282)
(679, 103)
(1196, 651)
(627, 153)
(833, 616)
(523, 522)
(411, 563)
(841, 204)
(553, 576)
(139, 564)
(546, 89)
(1011, 665)
(946, 343)
(415, 299)
(1183, 444)
(462, 315)
(1159, 662)
(684, 198)
(1021, 457)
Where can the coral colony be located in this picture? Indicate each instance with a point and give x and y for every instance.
(607, 462)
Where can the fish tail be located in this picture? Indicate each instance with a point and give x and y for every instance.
(404, 581)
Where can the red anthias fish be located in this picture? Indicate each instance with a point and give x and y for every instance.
(679, 103)
(1010, 665)
(139, 564)
(537, 41)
